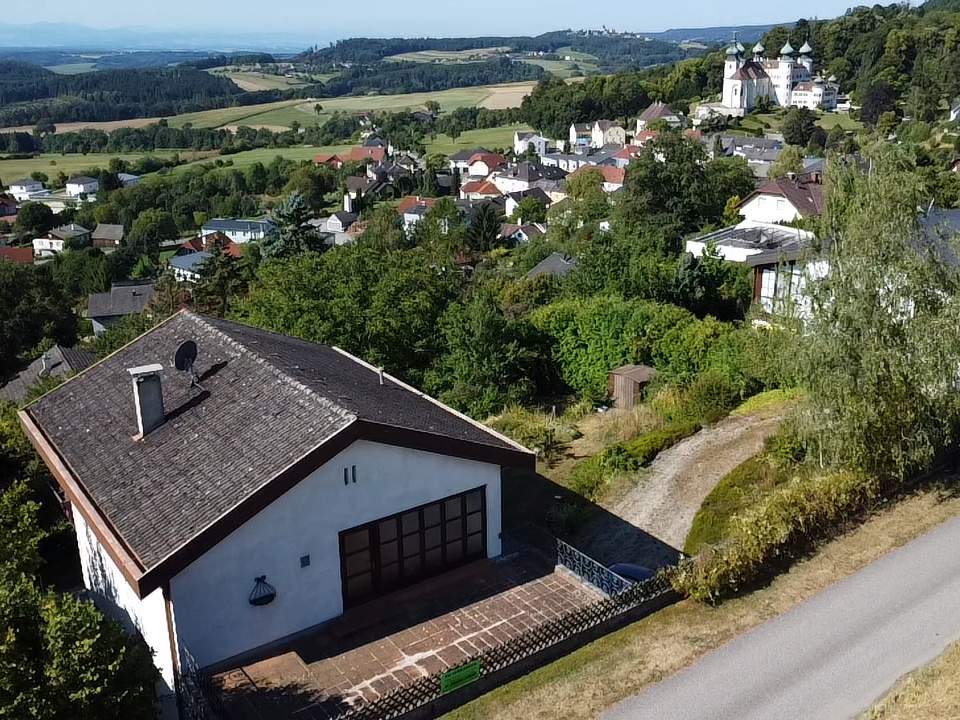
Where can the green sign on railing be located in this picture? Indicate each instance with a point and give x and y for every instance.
(458, 677)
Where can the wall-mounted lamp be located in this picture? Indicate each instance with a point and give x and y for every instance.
(263, 593)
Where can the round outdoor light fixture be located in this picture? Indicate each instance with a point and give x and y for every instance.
(263, 593)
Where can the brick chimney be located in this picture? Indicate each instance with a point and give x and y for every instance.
(147, 398)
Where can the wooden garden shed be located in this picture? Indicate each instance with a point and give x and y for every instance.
(625, 384)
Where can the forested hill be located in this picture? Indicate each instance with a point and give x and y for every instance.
(29, 93)
(614, 51)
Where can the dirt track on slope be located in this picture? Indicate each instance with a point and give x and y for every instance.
(668, 494)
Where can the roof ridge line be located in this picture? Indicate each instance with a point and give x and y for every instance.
(302, 387)
(442, 406)
(104, 358)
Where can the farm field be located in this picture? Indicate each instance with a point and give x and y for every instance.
(72, 68)
(279, 115)
(253, 81)
(283, 114)
(490, 138)
(450, 56)
(71, 164)
(266, 155)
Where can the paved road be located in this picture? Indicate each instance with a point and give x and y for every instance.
(832, 656)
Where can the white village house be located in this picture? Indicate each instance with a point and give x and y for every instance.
(239, 231)
(264, 492)
(81, 186)
(22, 190)
(524, 141)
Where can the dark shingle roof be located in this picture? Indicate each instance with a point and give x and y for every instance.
(267, 401)
(657, 111)
(59, 361)
(805, 195)
(554, 264)
(124, 298)
(106, 231)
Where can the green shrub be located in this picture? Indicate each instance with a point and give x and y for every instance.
(590, 476)
(735, 492)
(644, 449)
(780, 526)
(537, 431)
(706, 400)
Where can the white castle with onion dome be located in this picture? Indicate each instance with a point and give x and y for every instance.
(785, 82)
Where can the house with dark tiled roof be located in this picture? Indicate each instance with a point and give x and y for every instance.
(658, 111)
(522, 233)
(555, 265)
(56, 240)
(107, 235)
(537, 194)
(231, 487)
(785, 200)
(58, 361)
(124, 298)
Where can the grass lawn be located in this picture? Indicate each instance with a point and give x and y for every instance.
(70, 164)
(582, 684)
(930, 693)
(775, 121)
(829, 120)
(490, 138)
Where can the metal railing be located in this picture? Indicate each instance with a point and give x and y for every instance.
(589, 570)
(201, 700)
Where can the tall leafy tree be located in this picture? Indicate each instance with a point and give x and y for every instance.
(879, 355)
(484, 230)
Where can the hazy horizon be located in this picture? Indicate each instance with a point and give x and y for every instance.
(414, 18)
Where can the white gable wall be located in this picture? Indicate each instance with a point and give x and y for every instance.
(769, 209)
(113, 595)
(214, 618)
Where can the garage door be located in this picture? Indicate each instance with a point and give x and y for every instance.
(401, 549)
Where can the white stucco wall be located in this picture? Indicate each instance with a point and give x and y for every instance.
(214, 618)
(113, 595)
(769, 209)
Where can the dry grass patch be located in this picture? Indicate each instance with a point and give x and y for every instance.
(604, 672)
(930, 693)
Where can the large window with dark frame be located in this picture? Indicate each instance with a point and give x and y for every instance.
(399, 550)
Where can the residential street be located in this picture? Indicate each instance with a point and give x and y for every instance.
(832, 656)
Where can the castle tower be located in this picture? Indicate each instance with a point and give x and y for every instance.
(806, 57)
(733, 62)
(758, 51)
(786, 55)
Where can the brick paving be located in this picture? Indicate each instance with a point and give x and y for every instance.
(392, 642)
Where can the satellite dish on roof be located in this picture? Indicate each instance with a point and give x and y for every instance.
(185, 356)
(184, 360)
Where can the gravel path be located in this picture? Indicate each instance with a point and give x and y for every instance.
(668, 493)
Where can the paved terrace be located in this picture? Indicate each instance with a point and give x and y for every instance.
(398, 639)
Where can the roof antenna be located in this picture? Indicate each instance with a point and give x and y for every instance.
(184, 360)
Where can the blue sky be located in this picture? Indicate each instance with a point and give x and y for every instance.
(378, 18)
